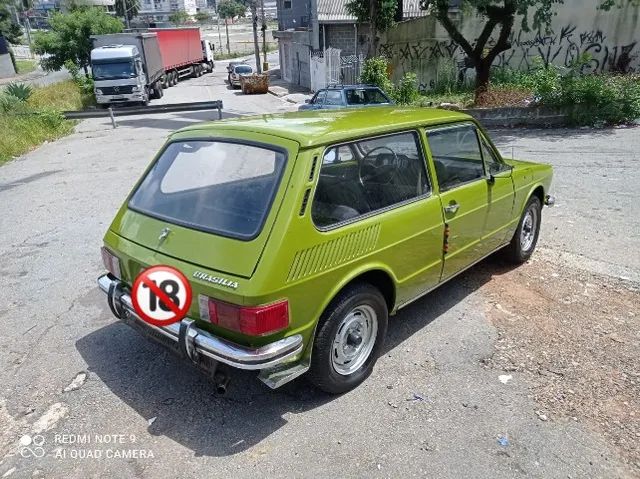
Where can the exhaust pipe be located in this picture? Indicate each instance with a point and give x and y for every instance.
(222, 381)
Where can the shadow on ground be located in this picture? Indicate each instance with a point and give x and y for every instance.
(500, 135)
(155, 383)
(175, 122)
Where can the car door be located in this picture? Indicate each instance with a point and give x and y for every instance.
(464, 193)
(501, 196)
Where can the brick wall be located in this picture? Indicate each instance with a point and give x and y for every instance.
(342, 37)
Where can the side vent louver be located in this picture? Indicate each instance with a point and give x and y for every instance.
(305, 200)
(334, 252)
(313, 168)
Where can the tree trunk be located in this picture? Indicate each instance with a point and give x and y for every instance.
(256, 45)
(483, 71)
(226, 28)
(86, 70)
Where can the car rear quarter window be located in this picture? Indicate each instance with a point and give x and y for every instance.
(362, 177)
(365, 96)
(215, 186)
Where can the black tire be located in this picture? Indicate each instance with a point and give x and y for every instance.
(160, 91)
(520, 249)
(351, 301)
(174, 78)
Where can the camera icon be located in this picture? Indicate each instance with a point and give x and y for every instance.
(31, 446)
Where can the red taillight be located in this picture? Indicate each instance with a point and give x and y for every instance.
(111, 262)
(252, 321)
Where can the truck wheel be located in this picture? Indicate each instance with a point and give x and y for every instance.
(160, 91)
(174, 78)
(525, 238)
(349, 339)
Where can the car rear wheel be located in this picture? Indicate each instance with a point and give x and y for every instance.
(349, 339)
(525, 239)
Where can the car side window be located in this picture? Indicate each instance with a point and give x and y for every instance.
(456, 155)
(368, 175)
(333, 98)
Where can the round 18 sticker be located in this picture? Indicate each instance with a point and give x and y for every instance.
(161, 295)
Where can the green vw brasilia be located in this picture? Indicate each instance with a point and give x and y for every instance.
(302, 233)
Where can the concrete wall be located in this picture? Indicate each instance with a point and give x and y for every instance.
(6, 66)
(611, 38)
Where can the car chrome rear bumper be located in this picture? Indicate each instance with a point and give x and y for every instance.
(190, 341)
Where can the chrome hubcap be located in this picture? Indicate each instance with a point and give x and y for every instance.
(354, 340)
(528, 233)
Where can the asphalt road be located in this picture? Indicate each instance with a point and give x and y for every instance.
(432, 408)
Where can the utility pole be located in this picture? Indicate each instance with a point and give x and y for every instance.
(219, 35)
(256, 45)
(264, 36)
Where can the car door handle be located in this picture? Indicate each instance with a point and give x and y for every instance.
(451, 208)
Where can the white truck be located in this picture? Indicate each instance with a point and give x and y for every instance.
(127, 67)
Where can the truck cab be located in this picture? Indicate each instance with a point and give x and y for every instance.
(119, 74)
(207, 54)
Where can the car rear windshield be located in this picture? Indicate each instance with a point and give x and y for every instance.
(216, 186)
(365, 96)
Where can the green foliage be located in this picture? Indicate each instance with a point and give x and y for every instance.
(179, 18)
(375, 72)
(8, 28)
(20, 91)
(406, 92)
(130, 8)
(202, 17)
(230, 9)
(85, 83)
(69, 37)
(385, 11)
(28, 124)
(591, 99)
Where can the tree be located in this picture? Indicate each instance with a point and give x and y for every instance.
(127, 9)
(536, 14)
(8, 27)
(202, 17)
(179, 17)
(379, 14)
(230, 9)
(69, 37)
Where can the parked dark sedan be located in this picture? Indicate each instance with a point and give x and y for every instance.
(344, 96)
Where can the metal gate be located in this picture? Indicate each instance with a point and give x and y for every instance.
(350, 69)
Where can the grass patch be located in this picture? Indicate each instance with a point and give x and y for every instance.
(26, 66)
(39, 119)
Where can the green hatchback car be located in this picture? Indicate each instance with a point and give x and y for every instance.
(302, 233)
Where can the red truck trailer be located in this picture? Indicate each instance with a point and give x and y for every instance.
(184, 53)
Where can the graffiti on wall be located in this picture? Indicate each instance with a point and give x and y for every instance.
(563, 47)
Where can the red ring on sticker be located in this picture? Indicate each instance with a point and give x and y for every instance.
(161, 295)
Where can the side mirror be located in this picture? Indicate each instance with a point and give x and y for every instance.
(503, 173)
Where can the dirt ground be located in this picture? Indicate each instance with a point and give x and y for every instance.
(577, 338)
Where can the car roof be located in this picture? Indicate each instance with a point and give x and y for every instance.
(320, 127)
(349, 87)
